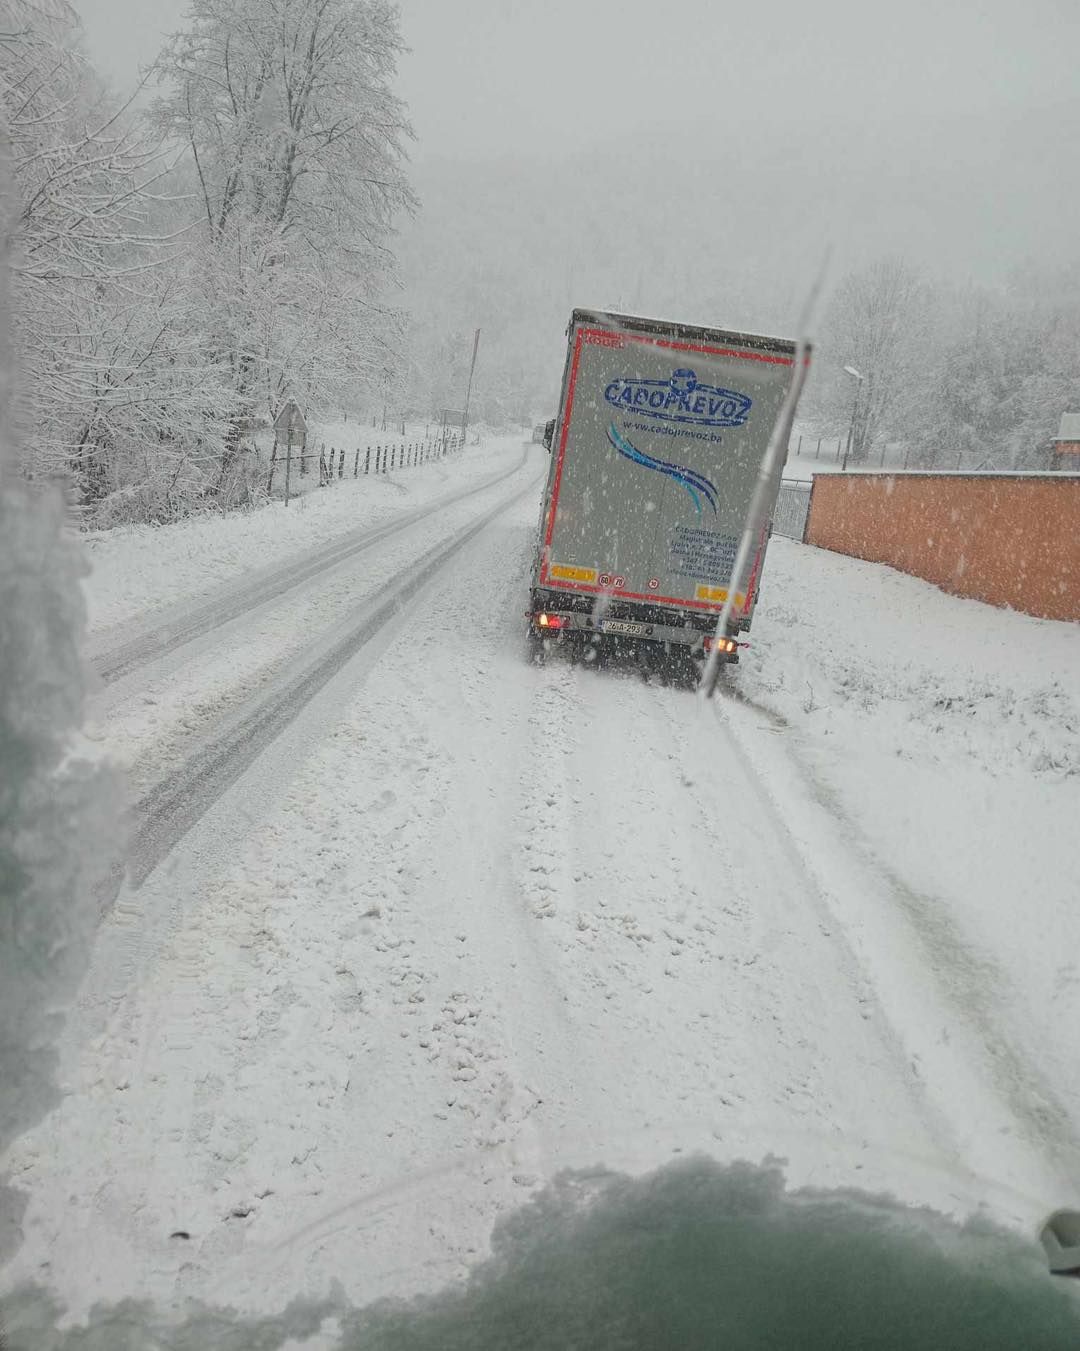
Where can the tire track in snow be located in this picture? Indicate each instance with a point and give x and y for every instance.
(169, 810)
(189, 622)
(919, 973)
(145, 915)
(691, 934)
(443, 927)
(970, 980)
(154, 720)
(545, 877)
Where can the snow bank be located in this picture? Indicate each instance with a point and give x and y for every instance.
(942, 738)
(804, 467)
(50, 811)
(842, 646)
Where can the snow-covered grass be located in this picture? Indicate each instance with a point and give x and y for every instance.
(802, 467)
(942, 736)
(356, 437)
(843, 645)
(138, 569)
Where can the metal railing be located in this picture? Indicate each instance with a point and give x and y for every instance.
(377, 459)
(792, 506)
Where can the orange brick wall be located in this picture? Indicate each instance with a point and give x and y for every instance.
(1005, 539)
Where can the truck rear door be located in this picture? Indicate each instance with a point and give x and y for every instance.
(660, 437)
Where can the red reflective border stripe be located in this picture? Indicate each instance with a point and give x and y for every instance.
(752, 583)
(564, 433)
(598, 334)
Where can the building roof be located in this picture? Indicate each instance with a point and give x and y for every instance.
(1070, 427)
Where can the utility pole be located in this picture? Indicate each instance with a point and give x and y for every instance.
(288, 462)
(858, 378)
(468, 391)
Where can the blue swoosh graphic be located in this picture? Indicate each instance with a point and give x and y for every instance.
(691, 480)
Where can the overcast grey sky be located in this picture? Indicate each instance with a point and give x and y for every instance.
(489, 77)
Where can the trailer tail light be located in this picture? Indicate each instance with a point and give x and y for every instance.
(547, 621)
(721, 644)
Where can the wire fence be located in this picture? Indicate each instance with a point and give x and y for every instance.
(828, 450)
(792, 507)
(817, 447)
(333, 463)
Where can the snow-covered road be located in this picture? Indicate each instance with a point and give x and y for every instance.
(411, 923)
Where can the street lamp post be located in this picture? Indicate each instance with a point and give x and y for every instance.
(857, 377)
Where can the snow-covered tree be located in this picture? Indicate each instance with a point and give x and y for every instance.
(76, 177)
(874, 323)
(998, 370)
(297, 143)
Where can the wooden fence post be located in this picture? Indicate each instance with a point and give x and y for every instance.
(270, 478)
(356, 464)
(288, 463)
(341, 463)
(367, 460)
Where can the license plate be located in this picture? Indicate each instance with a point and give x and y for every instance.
(623, 626)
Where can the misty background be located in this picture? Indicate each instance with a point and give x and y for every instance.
(695, 163)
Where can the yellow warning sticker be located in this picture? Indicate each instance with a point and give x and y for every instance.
(718, 594)
(565, 574)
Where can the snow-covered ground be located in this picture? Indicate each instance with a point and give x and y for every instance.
(803, 467)
(140, 568)
(421, 923)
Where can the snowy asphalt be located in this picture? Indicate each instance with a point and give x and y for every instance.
(174, 629)
(411, 924)
(166, 813)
